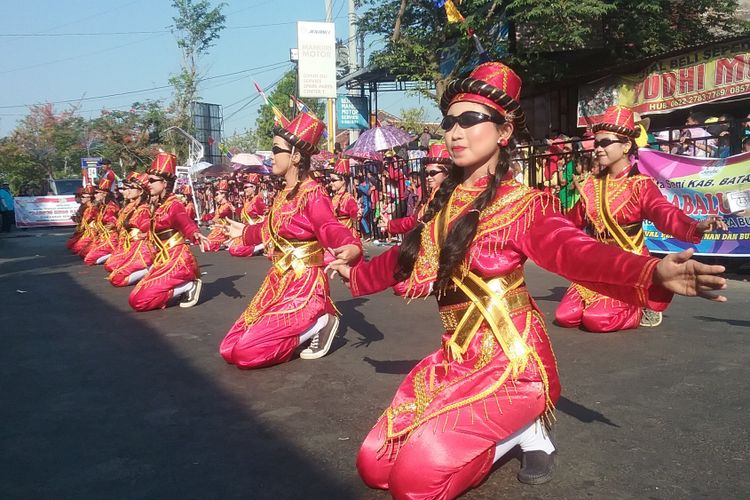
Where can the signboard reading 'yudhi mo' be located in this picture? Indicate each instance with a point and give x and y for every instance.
(316, 44)
(710, 74)
(352, 112)
(701, 187)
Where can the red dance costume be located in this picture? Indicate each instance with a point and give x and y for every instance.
(253, 212)
(224, 211)
(495, 373)
(295, 292)
(612, 211)
(136, 251)
(106, 239)
(83, 218)
(169, 227)
(490, 378)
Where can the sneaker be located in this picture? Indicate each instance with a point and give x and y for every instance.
(536, 467)
(190, 298)
(321, 342)
(650, 318)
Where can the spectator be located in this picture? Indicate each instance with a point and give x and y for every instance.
(7, 208)
(746, 126)
(746, 145)
(424, 139)
(695, 140)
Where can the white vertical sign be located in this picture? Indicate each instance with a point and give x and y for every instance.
(316, 43)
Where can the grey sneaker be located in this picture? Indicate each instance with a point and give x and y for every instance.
(536, 467)
(189, 299)
(650, 318)
(321, 342)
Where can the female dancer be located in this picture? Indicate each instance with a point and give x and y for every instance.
(103, 245)
(345, 206)
(293, 304)
(136, 251)
(85, 216)
(253, 211)
(494, 379)
(175, 271)
(436, 165)
(612, 208)
(223, 212)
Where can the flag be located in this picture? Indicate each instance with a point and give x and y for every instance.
(210, 140)
(279, 117)
(454, 16)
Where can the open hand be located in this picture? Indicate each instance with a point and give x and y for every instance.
(341, 268)
(233, 229)
(679, 274)
(203, 242)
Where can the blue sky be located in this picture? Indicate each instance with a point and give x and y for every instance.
(62, 65)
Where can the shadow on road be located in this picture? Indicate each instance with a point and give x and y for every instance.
(96, 404)
(581, 413)
(396, 367)
(732, 322)
(555, 294)
(222, 286)
(352, 318)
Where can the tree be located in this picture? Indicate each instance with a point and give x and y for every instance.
(413, 119)
(129, 137)
(556, 38)
(196, 27)
(243, 142)
(285, 87)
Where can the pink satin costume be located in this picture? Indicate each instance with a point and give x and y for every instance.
(295, 292)
(136, 251)
(105, 239)
(217, 236)
(488, 379)
(174, 264)
(253, 212)
(612, 210)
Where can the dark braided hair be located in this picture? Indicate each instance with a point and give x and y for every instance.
(462, 232)
(302, 174)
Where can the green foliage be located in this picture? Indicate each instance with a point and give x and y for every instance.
(555, 38)
(285, 87)
(197, 26)
(413, 119)
(243, 142)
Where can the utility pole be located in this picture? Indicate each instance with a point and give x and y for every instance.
(331, 103)
(354, 133)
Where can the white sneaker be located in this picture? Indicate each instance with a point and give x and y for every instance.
(650, 318)
(190, 298)
(321, 342)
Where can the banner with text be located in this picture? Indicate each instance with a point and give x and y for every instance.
(352, 112)
(45, 211)
(316, 45)
(713, 73)
(700, 187)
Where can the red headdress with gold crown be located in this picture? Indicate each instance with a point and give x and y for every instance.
(438, 153)
(619, 120)
(342, 167)
(164, 165)
(139, 181)
(88, 190)
(223, 185)
(251, 180)
(492, 84)
(303, 132)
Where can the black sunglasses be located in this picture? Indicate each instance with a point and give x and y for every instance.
(335, 179)
(278, 150)
(469, 119)
(151, 180)
(603, 143)
(433, 173)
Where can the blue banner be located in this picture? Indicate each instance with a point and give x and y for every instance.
(352, 112)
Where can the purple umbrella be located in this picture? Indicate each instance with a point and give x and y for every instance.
(379, 139)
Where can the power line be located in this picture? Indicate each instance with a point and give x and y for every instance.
(141, 91)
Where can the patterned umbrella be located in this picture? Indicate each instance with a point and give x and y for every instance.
(379, 139)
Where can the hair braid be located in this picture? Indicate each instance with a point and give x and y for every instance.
(462, 232)
(303, 168)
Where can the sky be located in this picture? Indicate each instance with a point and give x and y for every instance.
(80, 50)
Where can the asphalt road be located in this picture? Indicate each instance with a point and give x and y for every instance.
(101, 402)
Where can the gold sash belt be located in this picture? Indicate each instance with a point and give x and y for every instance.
(298, 255)
(164, 241)
(489, 302)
